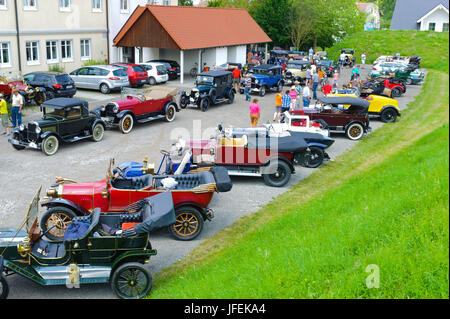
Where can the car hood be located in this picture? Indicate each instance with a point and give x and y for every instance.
(127, 101)
(259, 76)
(204, 88)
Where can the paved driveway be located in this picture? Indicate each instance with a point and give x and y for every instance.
(21, 173)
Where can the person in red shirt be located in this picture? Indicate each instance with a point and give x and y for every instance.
(327, 88)
(237, 75)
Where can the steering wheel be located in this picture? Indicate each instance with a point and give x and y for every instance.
(165, 153)
(119, 172)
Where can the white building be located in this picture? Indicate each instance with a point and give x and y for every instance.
(429, 15)
(373, 15)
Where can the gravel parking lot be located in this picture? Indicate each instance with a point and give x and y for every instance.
(21, 174)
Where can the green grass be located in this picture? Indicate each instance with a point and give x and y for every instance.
(384, 202)
(433, 47)
(95, 62)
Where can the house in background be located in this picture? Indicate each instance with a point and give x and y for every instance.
(373, 15)
(191, 35)
(429, 15)
(118, 14)
(38, 34)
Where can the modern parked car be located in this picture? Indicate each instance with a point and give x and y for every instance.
(136, 73)
(172, 67)
(55, 84)
(157, 72)
(105, 78)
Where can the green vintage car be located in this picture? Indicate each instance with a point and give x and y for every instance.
(99, 248)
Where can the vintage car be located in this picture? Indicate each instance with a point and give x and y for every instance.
(140, 106)
(212, 87)
(265, 77)
(407, 73)
(30, 94)
(380, 105)
(396, 87)
(254, 152)
(64, 120)
(99, 248)
(296, 71)
(229, 66)
(191, 193)
(328, 66)
(352, 120)
(349, 57)
(297, 54)
(297, 121)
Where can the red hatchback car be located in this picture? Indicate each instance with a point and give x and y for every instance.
(136, 73)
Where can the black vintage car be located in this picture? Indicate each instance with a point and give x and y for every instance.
(212, 87)
(63, 120)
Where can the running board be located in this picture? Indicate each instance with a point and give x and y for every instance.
(77, 138)
(244, 173)
(152, 118)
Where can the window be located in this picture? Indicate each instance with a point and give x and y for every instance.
(66, 50)
(97, 5)
(124, 6)
(30, 5)
(3, 5)
(32, 52)
(5, 59)
(52, 51)
(65, 5)
(85, 49)
(431, 26)
(445, 27)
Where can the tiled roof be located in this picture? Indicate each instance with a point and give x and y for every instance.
(198, 27)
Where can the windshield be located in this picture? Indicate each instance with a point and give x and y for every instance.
(51, 112)
(260, 71)
(297, 66)
(33, 211)
(206, 80)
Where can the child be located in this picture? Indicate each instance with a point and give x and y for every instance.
(4, 115)
(278, 103)
(255, 112)
(293, 95)
(299, 90)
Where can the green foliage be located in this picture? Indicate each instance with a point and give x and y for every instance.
(95, 62)
(386, 10)
(230, 3)
(431, 46)
(56, 68)
(187, 3)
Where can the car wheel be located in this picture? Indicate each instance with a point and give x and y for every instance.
(170, 113)
(126, 124)
(316, 156)
(55, 221)
(49, 95)
(104, 88)
(388, 116)
(98, 132)
(280, 87)
(50, 145)
(241, 91)
(355, 131)
(16, 137)
(184, 101)
(213, 95)
(409, 81)
(131, 281)
(151, 81)
(231, 97)
(188, 225)
(396, 92)
(4, 287)
(280, 176)
(204, 104)
(262, 92)
(40, 98)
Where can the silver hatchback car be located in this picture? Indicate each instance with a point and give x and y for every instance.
(105, 78)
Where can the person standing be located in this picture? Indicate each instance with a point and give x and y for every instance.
(363, 58)
(255, 113)
(247, 87)
(315, 80)
(327, 89)
(299, 90)
(355, 73)
(4, 115)
(285, 102)
(321, 78)
(293, 95)
(278, 104)
(16, 108)
(311, 54)
(306, 96)
(335, 79)
(308, 76)
(237, 76)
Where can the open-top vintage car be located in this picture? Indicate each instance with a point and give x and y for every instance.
(140, 106)
(265, 77)
(342, 114)
(296, 71)
(191, 193)
(64, 120)
(396, 86)
(99, 248)
(31, 95)
(212, 87)
(297, 121)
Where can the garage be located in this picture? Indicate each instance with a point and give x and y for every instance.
(192, 36)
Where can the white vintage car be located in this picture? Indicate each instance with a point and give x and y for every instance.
(296, 121)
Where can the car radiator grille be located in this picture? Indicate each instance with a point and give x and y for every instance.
(31, 132)
(109, 110)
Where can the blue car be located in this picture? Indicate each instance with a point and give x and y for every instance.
(265, 77)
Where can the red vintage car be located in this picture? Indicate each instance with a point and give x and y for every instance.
(140, 106)
(136, 73)
(191, 196)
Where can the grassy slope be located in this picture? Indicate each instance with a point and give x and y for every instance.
(431, 46)
(353, 212)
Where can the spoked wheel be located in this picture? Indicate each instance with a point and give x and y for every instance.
(204, 104)
(50, 145)
(170, 113)
(316, 156)
(17, 147)
(184, 101)
(55, 221)
(126, 124)
(280, 175)
(355, 131)
(188, 225)
(4, 288)
(131, 281)
(230, 97)
(263, 91)
(98, 132)
(388, 116)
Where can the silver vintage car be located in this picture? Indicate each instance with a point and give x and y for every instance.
(105, 78)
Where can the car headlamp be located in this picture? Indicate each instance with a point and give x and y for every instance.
(22, 127)
(116, 109)
(103, 108)
(197, 94)
(38, 130)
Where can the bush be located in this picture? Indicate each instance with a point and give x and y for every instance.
(57, 68)
(95, 62)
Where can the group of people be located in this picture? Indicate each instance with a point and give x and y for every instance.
(17, 103)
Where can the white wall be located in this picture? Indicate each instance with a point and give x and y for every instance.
(439, 17)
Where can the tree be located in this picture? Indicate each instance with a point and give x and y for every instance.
(187, 3)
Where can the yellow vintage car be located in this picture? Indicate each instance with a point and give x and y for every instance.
(296, 71)
(383, 106)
